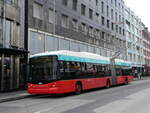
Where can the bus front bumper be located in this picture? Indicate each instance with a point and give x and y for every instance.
(53, 90)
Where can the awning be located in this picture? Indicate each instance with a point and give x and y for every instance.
(13, 51)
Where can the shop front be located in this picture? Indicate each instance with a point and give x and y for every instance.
(12, 69)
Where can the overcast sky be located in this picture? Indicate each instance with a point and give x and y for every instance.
(141, 9)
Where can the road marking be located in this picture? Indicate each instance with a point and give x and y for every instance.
(127, 103)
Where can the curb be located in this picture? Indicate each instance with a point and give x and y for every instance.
(15, 98)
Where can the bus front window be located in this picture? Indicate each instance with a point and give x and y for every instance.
(42, 69)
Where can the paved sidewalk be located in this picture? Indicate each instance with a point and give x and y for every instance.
(142, 78)
(10, 96)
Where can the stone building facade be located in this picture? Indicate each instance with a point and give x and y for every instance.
(11, 44)
(146, 42)
(134, 39)
(95, 26)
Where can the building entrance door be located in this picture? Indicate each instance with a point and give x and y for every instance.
(7, 72)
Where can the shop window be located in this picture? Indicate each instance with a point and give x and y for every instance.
(63, 44)
(74, 46)
(49, 43)
(83, 47)
(36, 42)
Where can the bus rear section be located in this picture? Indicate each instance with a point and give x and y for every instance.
(124, 75)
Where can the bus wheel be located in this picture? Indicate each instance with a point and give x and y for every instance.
(108, 84)
(126, 81)
(78, 88)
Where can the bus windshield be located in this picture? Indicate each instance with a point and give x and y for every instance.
(42, 69)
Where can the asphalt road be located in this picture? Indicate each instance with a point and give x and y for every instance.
(132, 98)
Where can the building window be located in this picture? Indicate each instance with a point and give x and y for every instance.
(97, 17)
(102, 7)
(103, 21)
(116, 16)
(119, 18)
(107, 23)
(37, 10)
(36, 42)
(96, 1)
(65, 21)
(84, 28)
(120, 30)
(111, 1)
(74, 5)
(117, 28)
(65, 2)
(103, 35)
(90, 13)
(91, 31)
(8, 33)
(115, 2)
(122, 9)
(112, 14)
(112, 26)
(51, 16)
(11, 1)
(107, 10)
(75, 24)
(97, 33)
(83, 7)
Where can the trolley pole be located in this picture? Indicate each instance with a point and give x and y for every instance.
(112, 59)
(113, 71)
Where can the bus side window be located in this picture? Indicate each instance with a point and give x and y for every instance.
(118, 72)
(60, 70)
(108, 71)
(100, 71)
(90, 70)
(74, 69)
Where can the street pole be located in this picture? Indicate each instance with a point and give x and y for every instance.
(26, 38)
(54, 16)
(117, 53)
(4, 23)
(3, 41)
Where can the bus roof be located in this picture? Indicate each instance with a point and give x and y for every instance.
(80, 57)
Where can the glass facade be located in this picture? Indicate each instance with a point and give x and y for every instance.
(40, 42)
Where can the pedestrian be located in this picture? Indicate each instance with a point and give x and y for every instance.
(136, 73)
(139, 75)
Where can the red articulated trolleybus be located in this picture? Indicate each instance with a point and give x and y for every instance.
(61, 72)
